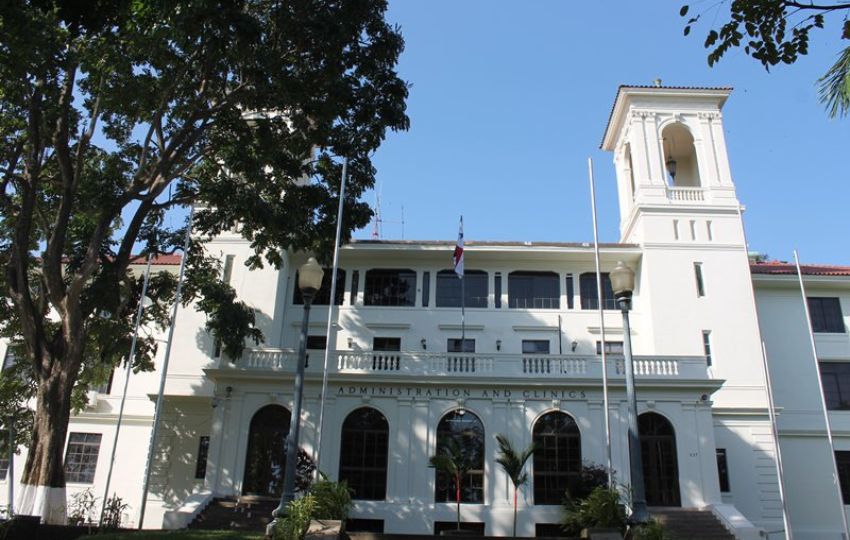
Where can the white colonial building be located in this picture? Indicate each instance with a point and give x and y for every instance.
(400, 379)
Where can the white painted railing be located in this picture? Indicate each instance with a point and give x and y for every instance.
(425, 364)
(685, 194)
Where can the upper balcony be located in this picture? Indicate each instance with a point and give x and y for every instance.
(466, 367)
(685, 194)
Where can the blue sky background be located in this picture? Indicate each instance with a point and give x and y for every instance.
(508, 100)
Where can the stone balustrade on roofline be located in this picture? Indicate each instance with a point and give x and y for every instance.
(685, 194)
(467, 365)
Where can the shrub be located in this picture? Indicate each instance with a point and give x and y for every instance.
(298, 515)
(82, 508)
(601, 508)
(113, 512)
(332, 499)
(651, 531)
(592, 476)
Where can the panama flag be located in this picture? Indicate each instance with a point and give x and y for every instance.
(457, 257)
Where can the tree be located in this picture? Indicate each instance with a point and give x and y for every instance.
(777, 31)
(453, 460)
(513, 463)
(116, 114)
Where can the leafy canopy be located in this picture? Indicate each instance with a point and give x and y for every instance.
(777, 32)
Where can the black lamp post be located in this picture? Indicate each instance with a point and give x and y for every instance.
(309, 281)
(623, 283)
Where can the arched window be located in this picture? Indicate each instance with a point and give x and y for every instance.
(680, 156)
(264, 460)
(462, 433)
(660, 465)
(363, 454)
(557, 459)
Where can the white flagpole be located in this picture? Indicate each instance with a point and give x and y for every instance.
(822, 397)
(328, 341)
(789, 534)
(780, 471)
(606, 413)
(128, 370)
(158, 411)
(462, 291)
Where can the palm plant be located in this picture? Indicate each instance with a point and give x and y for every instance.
(513, 463)
(834, 87)
(453, 461)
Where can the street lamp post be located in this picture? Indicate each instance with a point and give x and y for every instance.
(309, 281)
(623, 283)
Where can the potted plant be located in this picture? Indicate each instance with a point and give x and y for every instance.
(513, 463)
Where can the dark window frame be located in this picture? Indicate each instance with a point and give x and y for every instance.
(497, 290)
(453, 345)
(557, 458)
(476, 289)
(842, 461)
(569, 284)
(323, 295)
(467, 430)
(589, 296)
(394, 287)
(540, 289)
(611, 347)
(700, 280)
(203, 455)
(826, 314)
(81, 457)
(382, 344)
(835, 377)
(723, 470)
(537, 345)
(426, 288)
(364, 454)
(706, 347)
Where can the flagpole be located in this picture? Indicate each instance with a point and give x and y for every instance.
(128, 370)
(328, 342)
(822, 396)
(461, 241)
(606, 413)
(157, 415)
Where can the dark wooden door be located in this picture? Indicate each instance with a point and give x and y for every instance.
(660, 466)
(264, 460)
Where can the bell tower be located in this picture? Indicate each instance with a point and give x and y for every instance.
(673, 175)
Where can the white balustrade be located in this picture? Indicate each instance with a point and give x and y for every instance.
(686, 194)
(527, 366)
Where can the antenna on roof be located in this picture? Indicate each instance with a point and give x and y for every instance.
(657, 83)
(376, 221)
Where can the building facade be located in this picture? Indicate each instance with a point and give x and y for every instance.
(401, 379)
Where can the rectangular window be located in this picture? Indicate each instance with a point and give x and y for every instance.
(709, 229)
(201, 463)
(835, 377)
(587, 288)
(706, 346)
(449, 288)
(534, 290)
(355, 283)
(611, 347)
(693, 230)
(497, 286)
(426, 288)
(842, 459)
(323, 295)
(106, 387)
(81, 457)
(535, 346)
(675, 229)
(826, 315)
(698, 276)
(390, 287)
(723, 470)
(217, 349)
(570, 291)
(228, 269)
(386, 344)
(4, 454)
(10, 359)
(454, 345)
(317, 343)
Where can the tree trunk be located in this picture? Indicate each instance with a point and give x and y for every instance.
(43, 482)
(515, 501)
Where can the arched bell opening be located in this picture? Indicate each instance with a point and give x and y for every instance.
(680, 157)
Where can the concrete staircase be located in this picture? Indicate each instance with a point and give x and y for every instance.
(244, 514)
(690, 524)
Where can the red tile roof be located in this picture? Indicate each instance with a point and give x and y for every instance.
(159, 260)
(784, 268)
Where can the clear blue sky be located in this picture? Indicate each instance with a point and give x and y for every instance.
(510, 98)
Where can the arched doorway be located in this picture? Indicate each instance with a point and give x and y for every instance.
(463, 431)
(363, 454)
(660, 467)
(264, 460)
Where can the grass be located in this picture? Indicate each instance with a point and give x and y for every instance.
(182, 535)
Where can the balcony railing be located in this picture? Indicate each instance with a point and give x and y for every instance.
(424, 364)
(685, 194)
